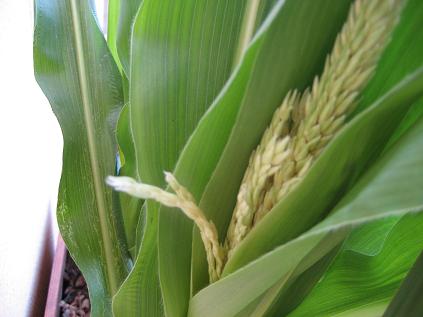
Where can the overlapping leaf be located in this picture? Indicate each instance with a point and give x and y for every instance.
(344, 160)
(120, 20)
(279, 65)
(363, 284)
(77, 73)
(394, 68)
(408, 300)
(130, 206)
(398, 171)
(182, 53)
(128, 12)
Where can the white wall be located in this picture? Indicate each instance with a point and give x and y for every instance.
(30, 156)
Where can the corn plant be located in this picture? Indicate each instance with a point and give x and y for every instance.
(242, 157)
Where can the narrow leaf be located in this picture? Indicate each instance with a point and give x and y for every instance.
(130, 206)
(128, 10)
(112, 28)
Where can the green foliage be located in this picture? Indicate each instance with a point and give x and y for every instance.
(200, 81)
(408, 300)
(77, 73)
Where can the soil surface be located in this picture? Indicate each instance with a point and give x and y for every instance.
(75, 301)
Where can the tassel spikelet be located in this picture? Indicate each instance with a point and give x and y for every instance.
(183, 200)
(299, 131)
(316, 116)
(265, 161)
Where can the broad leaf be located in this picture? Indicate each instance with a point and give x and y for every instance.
(197, 161)
(280, 65)
(398, 175)
(350, 153)
(402, 56)
(182, 54)
(77, 73)
(408, 26)
(409, 299)
(363, 284)
(140, 294)
(286, 294)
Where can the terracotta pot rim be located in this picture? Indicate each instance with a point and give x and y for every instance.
(56, 280)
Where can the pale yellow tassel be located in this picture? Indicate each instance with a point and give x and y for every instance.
(183, 200)
(264, 163)
(316, 116)
(299, 131)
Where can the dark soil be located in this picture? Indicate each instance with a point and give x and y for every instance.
(75, 301)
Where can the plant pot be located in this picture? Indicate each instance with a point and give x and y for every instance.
(56, 280)
(68, 293)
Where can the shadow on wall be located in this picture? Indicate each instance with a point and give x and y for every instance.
(43, 269)
(30, 163)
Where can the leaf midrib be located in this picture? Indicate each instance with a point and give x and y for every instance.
(247, 29)
(88, 120)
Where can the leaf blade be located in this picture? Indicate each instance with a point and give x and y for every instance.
(86, 107)
(368, 134)
(407, 301)
(279, 67)
(275, 264)
(361, 281)
(181, 56)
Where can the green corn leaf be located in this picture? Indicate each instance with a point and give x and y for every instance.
(285, 295)
(200, 81)
(279, 67)
(130, 206)
(225, 298)
(396, 176)
(362, 284)
(398, 67)
(296, 289)
(121, 16)
(194, 169)
(78, 75)
(177, 48)
(292, 291)
(197, 161)
(127, 12)
(368, 240)
(140, 294)
(409, 299)
(182, 53)
(112, 28)
(402, 56)
(141, 226)
(343, 161)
